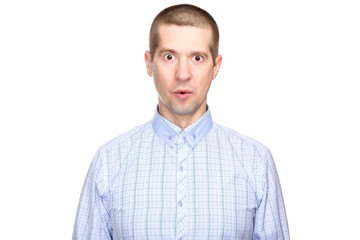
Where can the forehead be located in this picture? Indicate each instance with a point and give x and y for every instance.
(184, 38)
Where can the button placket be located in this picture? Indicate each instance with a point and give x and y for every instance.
(183, 151)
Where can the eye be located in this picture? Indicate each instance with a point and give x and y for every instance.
(169, 57)
(198, 58)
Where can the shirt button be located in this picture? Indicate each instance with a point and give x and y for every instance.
(169, 137)
(184, 138)
(181, 168)
(180, 203)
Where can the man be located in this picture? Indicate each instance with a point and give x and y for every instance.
(182, 176)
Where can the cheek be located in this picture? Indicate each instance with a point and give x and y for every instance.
(205, 78)
(162, 82)
(164, 75)
(161, 73)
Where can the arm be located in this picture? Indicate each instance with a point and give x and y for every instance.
(270, 218)
(92, 219)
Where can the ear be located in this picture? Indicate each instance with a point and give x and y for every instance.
(148, 63)
(217, 65)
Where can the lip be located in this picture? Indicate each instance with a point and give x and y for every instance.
(182, 94)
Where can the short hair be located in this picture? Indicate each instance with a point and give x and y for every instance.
(184, 15)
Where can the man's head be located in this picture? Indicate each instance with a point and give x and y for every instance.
(183, 62)
(184, 15)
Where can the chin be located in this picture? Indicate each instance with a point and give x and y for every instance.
(184, 110)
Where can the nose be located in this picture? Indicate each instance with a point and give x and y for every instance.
(183, 71)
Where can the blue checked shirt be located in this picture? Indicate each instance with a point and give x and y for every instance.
(205, 182)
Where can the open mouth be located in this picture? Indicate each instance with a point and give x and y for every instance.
(183, 93)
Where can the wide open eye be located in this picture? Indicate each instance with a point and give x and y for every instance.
(169, 57)
(198, 58)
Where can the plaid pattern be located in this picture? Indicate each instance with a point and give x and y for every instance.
(161, 182)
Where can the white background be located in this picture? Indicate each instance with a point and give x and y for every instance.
(73, 77)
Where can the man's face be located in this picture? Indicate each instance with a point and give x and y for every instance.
(183, 69)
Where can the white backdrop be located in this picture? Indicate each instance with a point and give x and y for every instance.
(73, 77)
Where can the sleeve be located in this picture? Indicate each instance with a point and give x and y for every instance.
(270, 218)
(92, 219)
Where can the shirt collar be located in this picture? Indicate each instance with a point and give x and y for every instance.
(193, 134)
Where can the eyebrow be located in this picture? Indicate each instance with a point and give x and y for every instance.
(204, 54)
(167, 50)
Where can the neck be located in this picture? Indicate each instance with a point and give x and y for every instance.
(182, 121)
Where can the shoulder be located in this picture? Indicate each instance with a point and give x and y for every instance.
(111, 156)
(240, 141)
(253, 157)
(126, 139)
